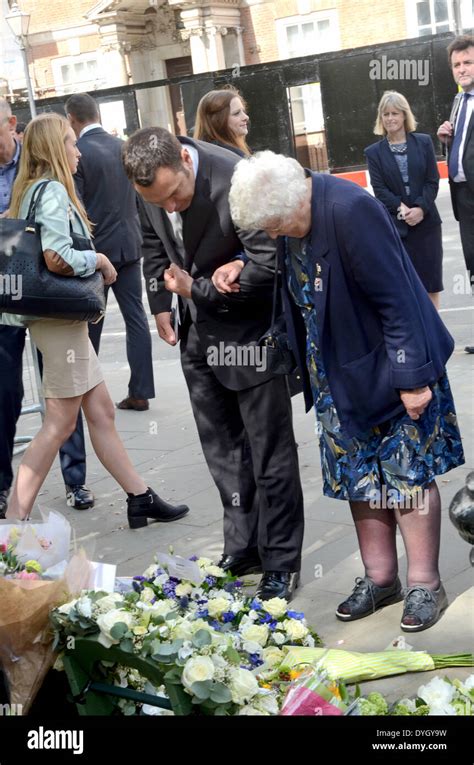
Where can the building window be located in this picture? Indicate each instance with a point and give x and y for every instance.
(433, 17)
(310, 34)
(74, 74)
(303, 36)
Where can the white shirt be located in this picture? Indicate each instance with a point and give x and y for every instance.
(89, 127)
(461, 177)
(175, 218)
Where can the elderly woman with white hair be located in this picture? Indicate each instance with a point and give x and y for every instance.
(373, 350)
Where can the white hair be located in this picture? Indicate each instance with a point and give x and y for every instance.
(266, 187)
(5, 108)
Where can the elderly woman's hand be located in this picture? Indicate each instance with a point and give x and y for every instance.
(415, 401)
(226, 278)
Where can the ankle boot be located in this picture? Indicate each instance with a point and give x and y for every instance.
(150, 505)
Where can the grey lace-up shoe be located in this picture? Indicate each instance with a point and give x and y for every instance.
(367, 597)
(423, 607)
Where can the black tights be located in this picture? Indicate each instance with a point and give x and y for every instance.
(420, 530)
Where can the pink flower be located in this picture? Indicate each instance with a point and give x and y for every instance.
(3, 548)
(27, 575)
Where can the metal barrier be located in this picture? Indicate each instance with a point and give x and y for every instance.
(33, 401)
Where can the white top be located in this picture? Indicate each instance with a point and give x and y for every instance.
(175, 218)
(89, 127)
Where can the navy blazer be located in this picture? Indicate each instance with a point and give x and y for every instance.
(423, 175)
(109, 197)
(378, 330)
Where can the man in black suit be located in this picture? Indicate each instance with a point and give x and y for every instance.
(457, 135)
(242, 411)
(111, 205)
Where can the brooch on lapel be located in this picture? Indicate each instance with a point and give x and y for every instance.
(318, 282)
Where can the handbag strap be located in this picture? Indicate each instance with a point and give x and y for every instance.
(279, 250)
(35, 200)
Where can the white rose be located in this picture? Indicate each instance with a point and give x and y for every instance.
(183, 589)
(151, 570)
(147, 595)
(272, 656)
(256, 633)
(267, 703)
(108, 602)
(66, 608)
(205, 562)
(276, 607)
(279, 638)
(250, 647)
(182, 630)
(243, 685)
(437, 692)
(295, 629)
(216, 606)
(248, 710)
(106, 622)
(469, 683)
(162, 607)
(197, 670)
(237, 606)
(214, 571)
(161, 579)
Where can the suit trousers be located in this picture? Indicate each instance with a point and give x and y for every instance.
(249, 445)
(465, 211)
(128, 291)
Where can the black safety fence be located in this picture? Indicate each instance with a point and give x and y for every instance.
(320, 109)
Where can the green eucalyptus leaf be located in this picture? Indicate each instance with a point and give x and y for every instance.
(118, 630)
(202, 638)
(202, 689)
(220, 693)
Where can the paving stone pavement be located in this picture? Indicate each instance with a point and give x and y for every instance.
(164, 445)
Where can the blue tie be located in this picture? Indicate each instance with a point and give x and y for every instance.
(453, 162)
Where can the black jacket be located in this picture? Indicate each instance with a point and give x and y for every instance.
(108, 196)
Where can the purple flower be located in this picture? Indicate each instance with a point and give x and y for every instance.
(255, 659)
(273, 624)
(202, 613)
(265, 618)
(256, 605)
(238, 583)
(139, 578)
(295, 614)
(216, 625)
(169, 589)
(194, 557)
(184, 602)
(228, 616)
(210, 580)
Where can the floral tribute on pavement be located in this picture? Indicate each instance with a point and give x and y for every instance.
(211, 643)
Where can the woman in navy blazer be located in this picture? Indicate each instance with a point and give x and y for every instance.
(373, 351)
(404, 176)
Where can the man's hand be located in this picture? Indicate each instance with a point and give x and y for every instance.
(226, 278)
(414, 216)
(179, 281)
(416, 401)
(445, 133)
(165, 330)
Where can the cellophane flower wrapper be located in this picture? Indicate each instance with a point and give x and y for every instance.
(47, 542)
(26, 652)
(313, 694)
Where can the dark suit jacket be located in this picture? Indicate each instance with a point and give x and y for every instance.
(378, 329)
(468, 153)
(423, 179)
(210, 240)
(109, 197)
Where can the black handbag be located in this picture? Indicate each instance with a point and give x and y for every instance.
(279, 356)
(28, 288)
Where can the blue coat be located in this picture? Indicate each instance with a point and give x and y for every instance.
(378, 329)
(423, 174)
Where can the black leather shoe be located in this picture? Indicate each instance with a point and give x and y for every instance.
(469, 348)
(237, 566)
(79, 497)
(367, 597)
(150, 505)
(278, 584)
(3, 502)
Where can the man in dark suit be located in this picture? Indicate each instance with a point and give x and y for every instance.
(457, 135)
(111, 205)
(242, 411)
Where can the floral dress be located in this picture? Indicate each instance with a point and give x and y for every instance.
(401, 454)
